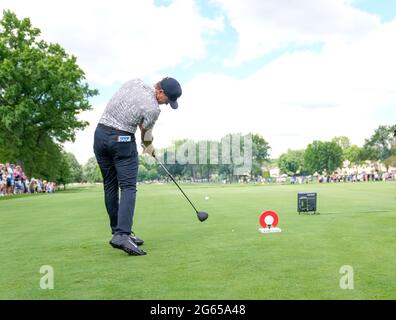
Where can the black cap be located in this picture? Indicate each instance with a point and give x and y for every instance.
(172, 90)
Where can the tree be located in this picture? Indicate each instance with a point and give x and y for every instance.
(142, 173)
(390, 162)
(76, 172)
(379, 146)
(206, 168)
(42, 91)
(64, 173)
(292, 162)
(152, 174)
(187, 159)
(394, 142)
(261, 148)
(353, 154)
(369, 153)
(322, 156)
(91, 171)
(259, 154)
(342, 141)
(256, 170)
(172, 157)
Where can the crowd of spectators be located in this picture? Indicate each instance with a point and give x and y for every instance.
(334, 178)
(361, 177)
(14, 181)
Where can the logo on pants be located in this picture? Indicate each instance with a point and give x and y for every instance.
(124, 138)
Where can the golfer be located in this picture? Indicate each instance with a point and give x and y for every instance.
(136, 104)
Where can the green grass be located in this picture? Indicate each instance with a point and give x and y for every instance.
(223, 258)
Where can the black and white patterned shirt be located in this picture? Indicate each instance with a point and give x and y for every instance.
(133, 104)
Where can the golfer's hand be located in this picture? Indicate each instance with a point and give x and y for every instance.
(149, 150)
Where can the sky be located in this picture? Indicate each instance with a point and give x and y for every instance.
(291, 71)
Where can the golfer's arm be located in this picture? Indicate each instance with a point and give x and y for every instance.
(146, 135)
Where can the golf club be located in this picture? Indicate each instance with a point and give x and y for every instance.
(202, 216)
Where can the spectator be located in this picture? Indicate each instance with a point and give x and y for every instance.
(18, 174)
(14, 181)
(3, 180)
(32, 185)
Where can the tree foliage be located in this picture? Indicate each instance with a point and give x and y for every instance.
(322, 157)
(379, 145)
(91, 171)
(292, 162)
(353, 154)
(76, 171)
(42, 92)
(390, 162)
(343, 141)
(64, 173)
(260, 154)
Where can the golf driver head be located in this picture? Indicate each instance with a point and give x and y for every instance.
(202, 216)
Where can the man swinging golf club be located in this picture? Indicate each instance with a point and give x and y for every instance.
(135, 104)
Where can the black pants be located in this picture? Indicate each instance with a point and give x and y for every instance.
(117, 156)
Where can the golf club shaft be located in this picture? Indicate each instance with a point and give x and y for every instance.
(173, 179)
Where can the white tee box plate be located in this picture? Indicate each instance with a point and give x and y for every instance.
(270, 230)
